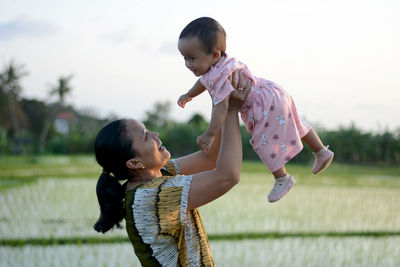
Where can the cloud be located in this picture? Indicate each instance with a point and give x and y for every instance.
(169, 48)
(25, 27)
(119, 36)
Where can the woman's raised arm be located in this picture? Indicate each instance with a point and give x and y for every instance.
(210, 185)
(202, 161)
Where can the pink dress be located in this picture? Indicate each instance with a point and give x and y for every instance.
(269, 113)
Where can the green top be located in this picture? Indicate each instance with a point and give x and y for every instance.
(162, 231)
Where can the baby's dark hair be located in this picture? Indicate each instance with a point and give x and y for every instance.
(210, 33)
(113, 148)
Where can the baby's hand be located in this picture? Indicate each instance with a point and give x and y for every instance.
(204, 141)
(183, 99)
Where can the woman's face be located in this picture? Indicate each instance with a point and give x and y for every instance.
(147, 146)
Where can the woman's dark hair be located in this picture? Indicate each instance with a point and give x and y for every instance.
(210, 33)
(113, 147)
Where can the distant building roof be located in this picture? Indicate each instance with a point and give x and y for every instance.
(66, 116)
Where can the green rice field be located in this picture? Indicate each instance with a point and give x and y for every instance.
(345, 216)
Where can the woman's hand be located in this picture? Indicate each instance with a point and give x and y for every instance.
(204, 141)
(238, 97)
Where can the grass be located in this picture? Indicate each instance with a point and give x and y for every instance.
(297, 252)
(212, 237)
(62, 207)
(77, 166)
(337, 201)
(344, 211)
(44, 166)
(6, 183)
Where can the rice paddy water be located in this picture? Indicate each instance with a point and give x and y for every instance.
(346, 216)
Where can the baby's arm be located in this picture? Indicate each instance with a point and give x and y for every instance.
(197, 89)
(218, 116)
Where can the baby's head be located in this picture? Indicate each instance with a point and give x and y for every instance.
(202, 43)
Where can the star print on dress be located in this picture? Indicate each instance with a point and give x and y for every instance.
(265, 114)
(281, 119)
(283, 147)
(264, 140)
(251, 117)
(268, 111)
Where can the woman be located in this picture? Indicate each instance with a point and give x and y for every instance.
(160, 199)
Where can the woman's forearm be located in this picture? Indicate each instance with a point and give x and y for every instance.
(229, 160)
(201, 161)
(209, 185)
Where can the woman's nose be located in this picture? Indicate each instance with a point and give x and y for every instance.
(155, 134)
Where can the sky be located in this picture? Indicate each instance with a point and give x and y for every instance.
(339, 60)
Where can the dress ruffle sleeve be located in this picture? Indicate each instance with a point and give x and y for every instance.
(216, 79)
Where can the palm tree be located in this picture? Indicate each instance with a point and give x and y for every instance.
(10, 84)
(61, 90)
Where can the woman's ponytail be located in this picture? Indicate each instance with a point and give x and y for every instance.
(113, 147)
(110, 194)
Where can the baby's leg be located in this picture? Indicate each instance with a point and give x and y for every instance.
(283, 183)
(280, 172)
(313, 141)
(323, 156)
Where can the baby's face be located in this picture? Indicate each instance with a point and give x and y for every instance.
(196, 59)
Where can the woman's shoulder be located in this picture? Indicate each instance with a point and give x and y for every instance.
(167, 181)
(171, 168)
(170, 177)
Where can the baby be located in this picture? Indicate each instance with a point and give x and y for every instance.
(269, 112)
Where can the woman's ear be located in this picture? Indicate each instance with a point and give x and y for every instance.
(134, 164)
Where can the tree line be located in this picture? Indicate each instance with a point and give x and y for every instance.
(350, 144)
(28, 126)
